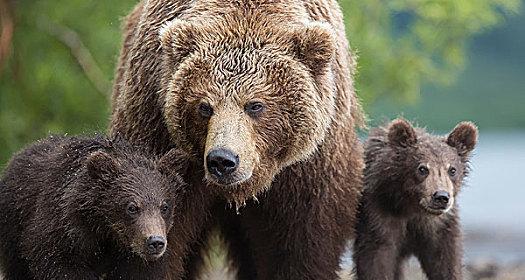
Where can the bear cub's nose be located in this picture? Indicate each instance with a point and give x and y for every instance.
(441, 198)
(222, 162)
(156, 244)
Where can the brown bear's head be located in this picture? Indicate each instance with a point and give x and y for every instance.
(136, 197)
(250, 98)
(429, 169)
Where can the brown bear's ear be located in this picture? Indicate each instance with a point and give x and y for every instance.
(101, 165)
(175, 161)
(177, 39)
(463, 137)
(401, 133)
(315, 45)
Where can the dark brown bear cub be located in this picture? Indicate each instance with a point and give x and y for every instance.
(409, 203)
(85, 208)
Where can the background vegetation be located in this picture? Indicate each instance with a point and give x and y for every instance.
(57, 64)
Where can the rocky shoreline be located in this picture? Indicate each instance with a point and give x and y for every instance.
(478, 270)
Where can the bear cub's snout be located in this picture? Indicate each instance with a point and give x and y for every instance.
(156, 245)
(440, 200)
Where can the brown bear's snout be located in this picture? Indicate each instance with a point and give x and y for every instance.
(156, 245)
(222, 162)
(440, 200)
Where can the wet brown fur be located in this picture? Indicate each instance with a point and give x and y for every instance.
(395, 220)
(300, 157)
(63, 204)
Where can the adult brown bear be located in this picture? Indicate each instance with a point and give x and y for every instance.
(261, 92)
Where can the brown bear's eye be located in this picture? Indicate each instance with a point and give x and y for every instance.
(254, 108)
(452, 171)
(164, 208)
(132, 209)
(205, 110)
(422, 170)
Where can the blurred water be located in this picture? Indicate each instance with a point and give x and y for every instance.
(493, 202)
(494, 197)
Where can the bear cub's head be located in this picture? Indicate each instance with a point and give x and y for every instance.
(135, 197)
(411, 168)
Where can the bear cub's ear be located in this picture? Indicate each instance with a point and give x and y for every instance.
(177, 39)
(315, 45)
(175, 162)
(401, 133)
(101, 165)
(463, 137)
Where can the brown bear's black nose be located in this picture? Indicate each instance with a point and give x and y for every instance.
(222, 162)
(156, 244)
(441, 198)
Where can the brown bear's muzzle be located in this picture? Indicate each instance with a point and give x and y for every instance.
(230, 152)
(222, 162)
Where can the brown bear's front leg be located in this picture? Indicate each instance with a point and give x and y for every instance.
(285, 251)
(295, 239)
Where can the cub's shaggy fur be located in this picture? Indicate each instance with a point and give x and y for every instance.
(409, 203)
(268, 83)
(82, 208)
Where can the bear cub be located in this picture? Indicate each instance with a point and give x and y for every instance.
(409, 203)
(88, 208)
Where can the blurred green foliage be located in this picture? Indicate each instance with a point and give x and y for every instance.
(404, 44)
(58, 76)
(43, 88)
(490, 91)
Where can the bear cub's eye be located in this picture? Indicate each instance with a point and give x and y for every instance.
(452, 171)
(205, 110)
(132, 209)
(422, 170)
(164, 208)
(254, 108)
